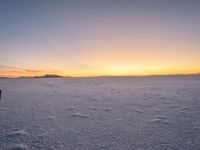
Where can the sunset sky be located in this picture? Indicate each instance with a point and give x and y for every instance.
(99, 37)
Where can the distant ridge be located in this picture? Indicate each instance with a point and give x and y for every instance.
(4, 77)
(58, 76)
(167, 75)
(49, 76)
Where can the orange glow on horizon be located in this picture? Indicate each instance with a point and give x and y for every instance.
(112, 72)
(105, 57)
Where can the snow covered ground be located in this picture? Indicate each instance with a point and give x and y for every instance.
(105, 113)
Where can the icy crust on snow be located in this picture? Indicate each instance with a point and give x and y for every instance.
(113, 113)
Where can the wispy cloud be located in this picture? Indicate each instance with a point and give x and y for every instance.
(9, 71)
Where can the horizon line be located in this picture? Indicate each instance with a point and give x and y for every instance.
(61, 76)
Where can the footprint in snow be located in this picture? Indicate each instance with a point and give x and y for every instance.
(173, 106)
(17, 133)
(51, 117)
(197, 126)
(93, 108)
(161, 117)
(72, 108)
(156, 120)
(93, 99)
(167, 123)
(157, 110)
(185, 108)
(17, 147)
(107, 109)
(119, 119)
(139, 111)
(3, 109)
(79, 115)
(162, 98)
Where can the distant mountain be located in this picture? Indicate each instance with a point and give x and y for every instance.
(4, 77)
(49, 76)
(58, 76)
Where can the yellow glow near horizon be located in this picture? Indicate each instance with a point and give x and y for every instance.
(114, 71)
(117, 57)
(119, 64)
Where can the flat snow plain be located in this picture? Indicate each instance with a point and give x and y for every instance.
(103, 113)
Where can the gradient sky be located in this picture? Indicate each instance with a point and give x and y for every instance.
(99, 37)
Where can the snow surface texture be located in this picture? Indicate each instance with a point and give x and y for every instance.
(105, 113)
